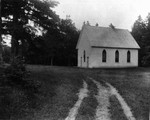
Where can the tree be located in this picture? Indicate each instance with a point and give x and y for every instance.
(6, 54)
(16, 15)
(146, 39)
(59, 44)
(55, 45)
(70, 37)
(141, 33)
(1, 59)
(138, 30)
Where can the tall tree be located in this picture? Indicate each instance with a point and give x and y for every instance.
(59, 44)
(146, 40)
(17, 14)
(1, 59)
(23, 19)
(138, 30)
(71, 35)
(141, 33)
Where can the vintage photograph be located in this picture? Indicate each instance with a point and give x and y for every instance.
(75, 60)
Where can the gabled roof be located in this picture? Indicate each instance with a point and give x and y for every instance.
(108, 37)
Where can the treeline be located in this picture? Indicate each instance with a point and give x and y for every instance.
(141, 33)
(38, 35)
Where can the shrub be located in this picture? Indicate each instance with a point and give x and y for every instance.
(18, 93)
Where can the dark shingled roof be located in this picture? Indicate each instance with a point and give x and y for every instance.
(108, 37)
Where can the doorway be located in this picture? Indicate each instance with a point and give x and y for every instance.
(87, 62)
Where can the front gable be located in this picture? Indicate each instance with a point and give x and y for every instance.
(83, 40)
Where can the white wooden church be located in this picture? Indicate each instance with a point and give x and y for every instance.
(106, 47)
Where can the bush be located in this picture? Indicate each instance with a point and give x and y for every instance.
(18, 93)
(146, 60)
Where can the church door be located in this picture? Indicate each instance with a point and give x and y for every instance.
(87, 62)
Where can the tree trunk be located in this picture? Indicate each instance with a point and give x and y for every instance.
(52, 61)
(1, 58)
(23, 48)
(14, 41)
(69, 62)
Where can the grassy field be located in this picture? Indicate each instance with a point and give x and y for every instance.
(60, 85)
(133, 84)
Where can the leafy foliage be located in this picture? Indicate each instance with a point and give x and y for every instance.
(38, 34)
(56, 47)
(16, 15)
(1, 59)
(141, 33)
(60, 45)
(18, 93)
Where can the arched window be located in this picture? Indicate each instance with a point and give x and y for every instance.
(117, 56)
(104, 56)
(84, 55)
(128, 56)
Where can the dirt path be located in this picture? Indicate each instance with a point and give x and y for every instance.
(81, 95)
(103, 95)
(103, 98)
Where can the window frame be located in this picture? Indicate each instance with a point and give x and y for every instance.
(117, 56)
(104, 56)
(128, 56)
(84, 56)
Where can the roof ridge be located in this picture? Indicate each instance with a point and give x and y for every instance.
(106, 36)
(105, 27)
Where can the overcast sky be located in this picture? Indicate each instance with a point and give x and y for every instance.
(121, 13)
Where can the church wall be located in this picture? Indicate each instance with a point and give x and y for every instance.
(96, 58)
(84, 45)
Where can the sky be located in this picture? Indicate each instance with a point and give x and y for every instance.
(121, 13)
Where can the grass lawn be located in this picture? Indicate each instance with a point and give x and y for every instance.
(133, 84)
(60, 86)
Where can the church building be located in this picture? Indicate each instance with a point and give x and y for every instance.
(106, 47)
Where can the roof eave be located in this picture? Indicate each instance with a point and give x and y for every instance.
(114, 47)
